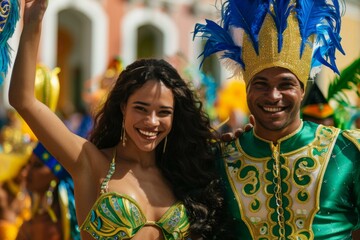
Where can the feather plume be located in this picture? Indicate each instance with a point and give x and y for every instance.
(282, 9)
(322, 19)
(248, 15)
(218, 40)
(10, 14)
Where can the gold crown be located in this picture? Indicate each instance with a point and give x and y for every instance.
(269, 56)
(252, 36)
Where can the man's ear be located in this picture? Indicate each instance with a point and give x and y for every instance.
(302, 95)
(303, 90)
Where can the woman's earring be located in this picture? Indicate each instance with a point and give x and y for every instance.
(165, 142)
(123, 133)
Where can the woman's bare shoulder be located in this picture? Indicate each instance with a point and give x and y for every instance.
(97, 161)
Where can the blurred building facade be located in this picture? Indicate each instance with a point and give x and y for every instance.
(82, 36)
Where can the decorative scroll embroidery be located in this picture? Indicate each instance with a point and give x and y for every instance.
(282, 206)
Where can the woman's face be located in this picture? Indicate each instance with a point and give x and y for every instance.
(148, 115)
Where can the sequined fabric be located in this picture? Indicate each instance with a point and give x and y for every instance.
(118, 216)
(5, 6)
(316, 196)
(269, 56)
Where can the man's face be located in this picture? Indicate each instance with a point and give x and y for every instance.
(274, 97)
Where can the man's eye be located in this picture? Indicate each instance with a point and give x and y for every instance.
(259, 85)
(38, 165)
(287, 86)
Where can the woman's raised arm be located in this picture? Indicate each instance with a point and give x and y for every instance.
(65, 146)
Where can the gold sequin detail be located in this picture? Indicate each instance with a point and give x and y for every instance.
(268, 57)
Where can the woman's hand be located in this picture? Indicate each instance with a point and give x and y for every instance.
(34, 11)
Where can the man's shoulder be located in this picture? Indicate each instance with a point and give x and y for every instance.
(353, 136)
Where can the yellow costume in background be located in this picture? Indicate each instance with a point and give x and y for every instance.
(17, 146)
(8, 231)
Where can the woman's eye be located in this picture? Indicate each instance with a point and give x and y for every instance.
(140, 108)
(165, 113)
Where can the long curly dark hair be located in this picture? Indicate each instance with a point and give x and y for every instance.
(188, 162)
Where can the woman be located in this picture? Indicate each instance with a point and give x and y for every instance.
(147, 171)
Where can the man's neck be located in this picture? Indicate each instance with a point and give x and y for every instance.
(277, 134)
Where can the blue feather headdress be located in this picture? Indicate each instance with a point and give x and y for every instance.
(254, 35)
(9, 15)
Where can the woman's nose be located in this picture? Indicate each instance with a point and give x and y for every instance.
(152, 119)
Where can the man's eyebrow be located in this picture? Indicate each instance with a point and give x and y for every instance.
(288, 77)
(259, 78)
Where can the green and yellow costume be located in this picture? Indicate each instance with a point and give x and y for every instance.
(304, 187)
(118, 216)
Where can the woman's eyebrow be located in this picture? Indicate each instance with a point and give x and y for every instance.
(141, 103)
(148, 104)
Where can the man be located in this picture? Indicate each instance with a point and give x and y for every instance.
(286, 178)
(53, 203)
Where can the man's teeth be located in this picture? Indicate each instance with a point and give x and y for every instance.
(272, 109)
(149, 134)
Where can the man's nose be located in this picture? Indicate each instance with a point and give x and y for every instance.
(275, 94)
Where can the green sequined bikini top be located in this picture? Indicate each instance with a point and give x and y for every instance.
(119, 216)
